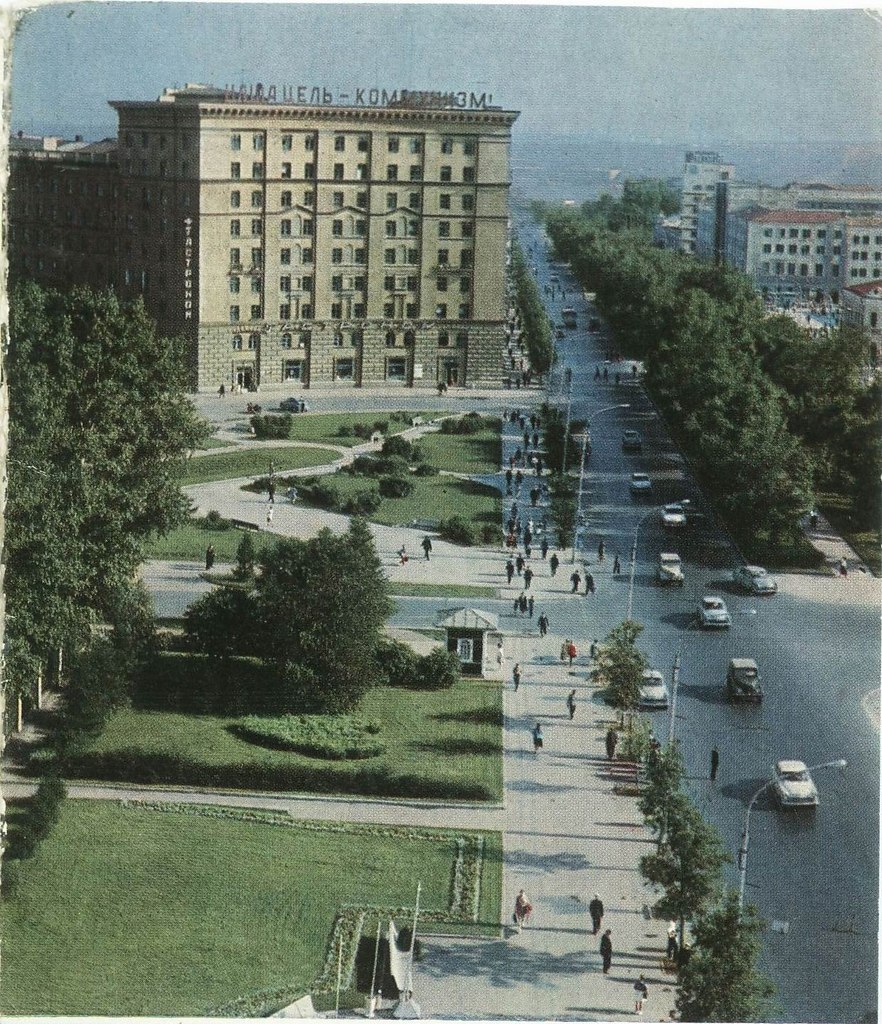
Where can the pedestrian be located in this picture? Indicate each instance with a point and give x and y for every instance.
(522, 604)
(522, 910)
(605, 374)
(571, 704)
(543, 624)
(589, 584)
(597, 373)
(538, 738)
(617, 566)
(813, 521)
(222, 391)
(715, 763)
(402, 555)
(571, 652)
(511, 461)
(554, 562)
(500, 654)
(509, 570)
(509, 476)
(516, 675)
(612, 741)
(517, 605)
(640, 994)
(526, 439)
(592, 651)
(633, 369)
(601, 551)
(519, 479)
(269, 516)
(528, 578)
(576, 580)
(595, 909)
(535, 438)
(544, 547)
(539, 467)
(563, 650)
(528, 550)
(671, 952)
(271, 491)
(520, 563)
(522, 420)
(528, 535)
(843, 566)
(530, 604)
(209, 556)
(606, 950)
(427, 547)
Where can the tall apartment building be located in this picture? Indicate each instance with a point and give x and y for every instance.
(701, 173)
(287, 242)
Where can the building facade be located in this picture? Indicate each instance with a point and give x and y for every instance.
(702, 172)
(862, 308)
(288, 243)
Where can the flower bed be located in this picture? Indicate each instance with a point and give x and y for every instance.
(330, 737)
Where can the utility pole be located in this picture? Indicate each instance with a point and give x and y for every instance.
(675, 682)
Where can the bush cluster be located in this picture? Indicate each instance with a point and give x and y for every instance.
(471, 423)
(459, 531)
(323, 493)
(395, 487)
(328, 737)
(43, 813)
(403, 667)
(272, 427)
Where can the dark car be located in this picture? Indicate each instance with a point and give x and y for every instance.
(632, 441)
(743, 681)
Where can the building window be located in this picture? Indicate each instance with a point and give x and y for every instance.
(235, 171)
(441, 284)
(235, 200)
(285, 341)
(337, 228)
(443, 257)
(465, 311)
(309, 142)
(464, 285)
(234, 315)
(256, 285)
(337, 200)
(389, 283)
(467, 227)
(441, 311)
(256, 226)
(468, 147)
(391, 200)
(444, 229)
(361, 200)
(392, 172)
(235, 228)
(308, 197)
(286, 200)
(287, 142)
(337, 283)
(285, 227)
(285, 256)
(235, 257)
(389, 309)
(256, 170)
(465, 258)
(363, 144)
(468, 174)
(307, 256)
(234, 285)
(391, 229)
(443, 339)
(416, 172)
(256, 200)
(462, 339)
(253, 340)
(444, 200)
(361, 256)
(414, 202)
(339, 143)
(447, 145)
(336, 256)
(286, 170)
(767, 248)
(360, 228)
(390, 339)
(285, 311)
(446, 173)
(338, 172)
(338, 339)
(336, 310)
(389, 256)
(237, 340)
(255, 312)
(393, 143)
(396, 369)
(309, 170)
(285, 283)
(344, 369)
(411, 310)
(306, 283)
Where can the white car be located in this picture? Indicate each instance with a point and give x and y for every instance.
(641, 485)
(754, 579)
(793, 785)
(670, 568)
(673, 516)
(653, 690)
(713, 613)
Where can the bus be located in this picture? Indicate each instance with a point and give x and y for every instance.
(569, 317)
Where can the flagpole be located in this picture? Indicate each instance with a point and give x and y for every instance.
(416, 914)
(374, 975)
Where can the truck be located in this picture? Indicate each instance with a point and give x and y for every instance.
(569, 317)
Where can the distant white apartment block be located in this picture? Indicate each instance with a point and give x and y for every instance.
(702, 172)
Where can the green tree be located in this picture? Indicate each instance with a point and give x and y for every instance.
(688, 867)
(719, 981)
(99, 431)
(620, 665)
(223, 623)
(534, 319)
(246, 556)
(321, 605)
(664, 775)
(562, 505)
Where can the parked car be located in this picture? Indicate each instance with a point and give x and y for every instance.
(653, 690)
(673, 516)
(713, 613)
(793, 785)
(670, 569)
(754, 579)
(641, 485)
(293, 404)
(593, 325)
(743, 680)
(632, 441)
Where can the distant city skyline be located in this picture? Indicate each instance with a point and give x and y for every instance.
(684, 76)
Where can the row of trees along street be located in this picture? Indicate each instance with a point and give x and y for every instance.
(767, 415)
(717, 975)
(533, 316)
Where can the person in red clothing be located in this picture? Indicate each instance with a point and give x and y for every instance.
(571, 651)
(523, 909)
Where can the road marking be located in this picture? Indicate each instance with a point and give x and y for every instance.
(871, 706)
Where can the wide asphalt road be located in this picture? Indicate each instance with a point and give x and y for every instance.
(813, 876)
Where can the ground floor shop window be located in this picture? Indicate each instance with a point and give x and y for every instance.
(292, 369)
(396, 369)
(344, 369)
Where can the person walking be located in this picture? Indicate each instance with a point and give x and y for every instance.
(528, 536)
(576, 580)
(592, 650)
(538, 738)
(589, 584)
(571, 704)
(209, 557)
(516, 675)
(606, 950)
(427, 547)
(528, 578)
(612, 741)
(715, 764)
(617, 566)
(605, 374)
(522, 910)
(671, 952)
(843, 566)
(543, 624)
(522, 604)
(500, 654)
(601, 551)
(519, 479)
(554, 562)
(544, 547)
(597, 373)
(269, 516)
(539, 466)
(271, 491)
(571, 652)
(563, 650)
(509, 476)
(520, 563)
(595, 909)
(531, 602)
(640, 994)
(509, 570)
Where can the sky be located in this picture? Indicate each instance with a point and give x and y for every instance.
(691, 76)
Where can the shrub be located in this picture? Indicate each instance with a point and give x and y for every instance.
(363, 503)
(271, 427)
(489, 534)
(398, 445)
(329, 737)
(426, 469)
(457, 531)
(379, 465)
(398, 663)
(345, 430)
(246, 555)
(362, 430)
(321, 493)
(395, 487)
(438, 670)
(471, 423)
(215, 520)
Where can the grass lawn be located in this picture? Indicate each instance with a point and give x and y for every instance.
(866, 542)
(136, 912)
(253, 462)
(188, 542)
(405, 589)
(438, 743)
(325, 426)
(464, 453)
(213, 442)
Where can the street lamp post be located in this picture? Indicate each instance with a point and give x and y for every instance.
(745, 835)
(585, 436)
(675, 682)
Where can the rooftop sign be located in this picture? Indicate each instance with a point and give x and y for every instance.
(320, 95)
